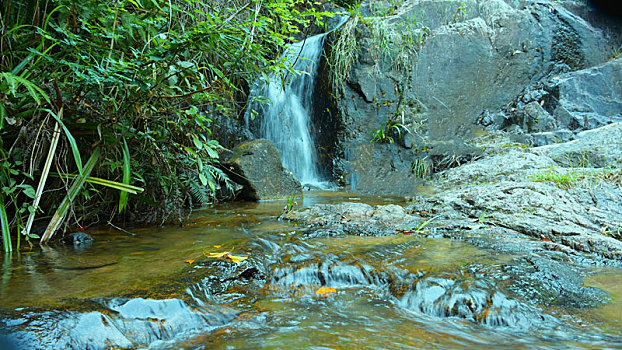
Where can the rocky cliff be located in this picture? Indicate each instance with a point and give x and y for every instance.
(440, 74)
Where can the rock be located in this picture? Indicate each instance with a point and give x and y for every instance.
(550, 282)
(549, 137)
(588, 98)
(592, 148)
(355, 219)
(440, 68)
(526, 192)
(224, 194)
(78, 239)
(380, 169)
(257, 166)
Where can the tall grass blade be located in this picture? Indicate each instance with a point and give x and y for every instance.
(4, 222)
(64, 206)
(123, 196)
(72, 141)
(103, 182)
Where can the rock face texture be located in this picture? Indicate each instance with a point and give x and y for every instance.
(512, 192)
(446, 71)
(256, 165)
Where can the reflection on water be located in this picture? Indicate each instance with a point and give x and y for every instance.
(395, 292)
(118, 262)
(609, 315)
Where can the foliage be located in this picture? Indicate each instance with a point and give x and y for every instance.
(226, 255)
(421, 168)
(348, 4)
(583, 176)
(560, 179)
(290, 203)
(425, 224)
(343, 54)
(382, 135)
(139, 80)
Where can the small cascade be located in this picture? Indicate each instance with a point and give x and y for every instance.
(285, 119)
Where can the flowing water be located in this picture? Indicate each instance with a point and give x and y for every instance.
(158, 290)
(286, 117)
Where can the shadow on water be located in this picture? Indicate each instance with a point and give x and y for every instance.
(391, 292)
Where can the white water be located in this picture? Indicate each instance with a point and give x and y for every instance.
(286, 117)
(285, 120)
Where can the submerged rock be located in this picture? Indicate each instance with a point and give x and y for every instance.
(78, 239)
(257, 166)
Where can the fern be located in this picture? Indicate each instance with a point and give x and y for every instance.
(199, 193)
(13, 83)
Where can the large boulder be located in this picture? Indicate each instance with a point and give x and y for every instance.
(557, 109)
(601, 147)
(588, 98)
(443, 69)
(257, 166)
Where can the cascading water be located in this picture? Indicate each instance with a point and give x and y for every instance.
(286, 117)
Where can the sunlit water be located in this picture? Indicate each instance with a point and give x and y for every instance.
(396, 292)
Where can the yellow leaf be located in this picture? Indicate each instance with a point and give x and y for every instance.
(190, 261)
(326, 290)
(217, 255)
(237, 259)
(217, 246)
(81, 121)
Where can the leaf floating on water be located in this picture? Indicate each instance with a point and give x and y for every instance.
(227, 255)
(218, 255)
(237, 259)
(190, 261)
(325, 291)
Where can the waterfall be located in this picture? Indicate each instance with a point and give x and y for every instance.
(285, 118)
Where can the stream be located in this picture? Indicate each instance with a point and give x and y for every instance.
(159, 290)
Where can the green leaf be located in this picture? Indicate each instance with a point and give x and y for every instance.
(197, 143)
(4, 223)
(211, 152)
(3, 114)
(123, 196)
(35, 91)
(203, 179)
(28, 190)
(73, 192)
(72, 141)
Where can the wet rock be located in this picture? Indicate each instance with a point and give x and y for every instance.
(548, 282)
(474, 301)
(117, 323)
(355, 219)
(78, 239)
(257, 166)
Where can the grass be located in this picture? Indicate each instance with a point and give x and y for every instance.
(568, 179)
(344, 52)
(561, 180)
(421, 168)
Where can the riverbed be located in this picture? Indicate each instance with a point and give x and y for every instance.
(158, 288)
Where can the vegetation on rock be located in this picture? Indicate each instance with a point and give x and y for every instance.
(138, 82)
